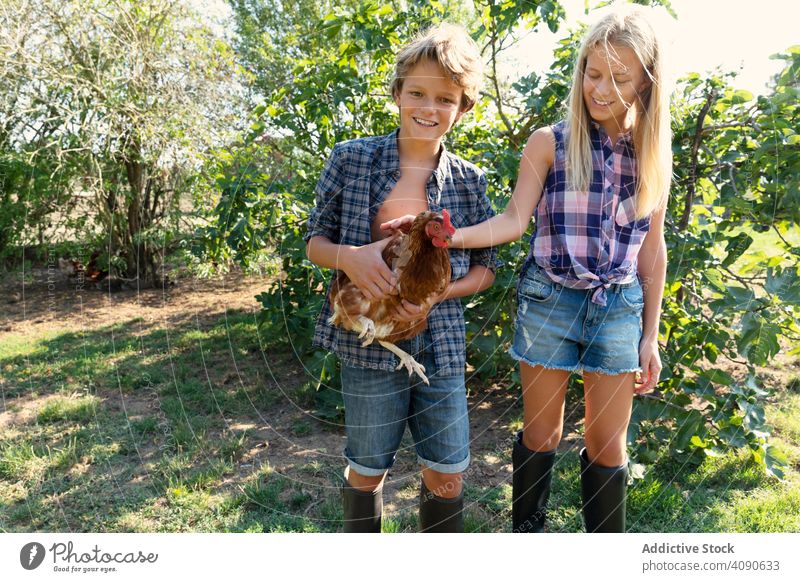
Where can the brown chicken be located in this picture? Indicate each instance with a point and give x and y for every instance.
(421, 262)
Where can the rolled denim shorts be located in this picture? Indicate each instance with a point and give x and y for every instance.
(378, 404)
(560, 328)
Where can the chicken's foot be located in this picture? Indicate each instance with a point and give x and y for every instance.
(406, 360)
(367, 330)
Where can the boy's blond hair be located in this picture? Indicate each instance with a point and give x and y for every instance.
(449, 46)
(627, 26)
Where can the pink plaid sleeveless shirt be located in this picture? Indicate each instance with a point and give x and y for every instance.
(590, 240)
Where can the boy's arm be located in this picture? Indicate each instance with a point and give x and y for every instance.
(478, 278)
(363, 265)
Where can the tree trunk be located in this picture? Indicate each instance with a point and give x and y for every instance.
(140, 257)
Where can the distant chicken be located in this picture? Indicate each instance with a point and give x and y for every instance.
(421, 262)
(91, 272)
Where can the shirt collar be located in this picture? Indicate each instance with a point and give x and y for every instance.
(390, 162)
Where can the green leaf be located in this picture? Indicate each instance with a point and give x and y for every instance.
(736, 247)
(759, 339)
(733, 436)
(786, 285)
(775, 461)
(741, 96)
(753, 415)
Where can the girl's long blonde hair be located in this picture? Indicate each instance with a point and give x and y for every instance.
(626, 26)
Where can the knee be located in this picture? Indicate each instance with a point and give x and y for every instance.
(444, 485)
(540, 438)
(606, 453)
(367, 483)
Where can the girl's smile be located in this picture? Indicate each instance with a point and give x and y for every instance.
(612, 83)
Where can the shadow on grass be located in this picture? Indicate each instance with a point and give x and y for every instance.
(133, 429)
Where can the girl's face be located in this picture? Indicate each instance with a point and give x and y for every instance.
(612, 81)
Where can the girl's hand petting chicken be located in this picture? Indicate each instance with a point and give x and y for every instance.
(403, 224)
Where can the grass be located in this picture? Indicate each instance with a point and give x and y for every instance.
(181, 429)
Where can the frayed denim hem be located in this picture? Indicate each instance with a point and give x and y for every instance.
(577, 369)
(607, 372)
(513, 353)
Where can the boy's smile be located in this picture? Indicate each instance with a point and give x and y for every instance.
(429, 103)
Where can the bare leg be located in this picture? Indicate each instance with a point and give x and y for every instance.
(543, 393)
(363, 482)
(446, 485)
(407, 361)
(608, 412)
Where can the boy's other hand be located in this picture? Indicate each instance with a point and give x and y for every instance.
(369, 272)
(402, 224)
(407, 311)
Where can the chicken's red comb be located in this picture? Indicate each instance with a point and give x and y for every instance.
(448, 226)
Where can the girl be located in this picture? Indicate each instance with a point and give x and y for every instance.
(589, 296)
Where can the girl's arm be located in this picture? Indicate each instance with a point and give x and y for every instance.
(537, 158)
(653, 273)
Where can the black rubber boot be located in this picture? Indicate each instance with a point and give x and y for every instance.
(533, 473)
(603, 491)
(362, 509)
(439, 514)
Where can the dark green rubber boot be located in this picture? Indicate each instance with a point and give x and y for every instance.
(603, 491)
(533, 473)
(439, 514)
(362, 509)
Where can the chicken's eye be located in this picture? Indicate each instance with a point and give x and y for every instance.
(436, 226)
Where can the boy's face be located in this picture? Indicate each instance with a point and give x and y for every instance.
(429, 102)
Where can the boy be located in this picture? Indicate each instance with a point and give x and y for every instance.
(372, 180)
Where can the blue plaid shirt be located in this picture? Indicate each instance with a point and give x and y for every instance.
(357, 178)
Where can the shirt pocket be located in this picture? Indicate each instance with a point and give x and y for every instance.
(626, 216)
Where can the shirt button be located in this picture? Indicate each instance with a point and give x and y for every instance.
(609, 189)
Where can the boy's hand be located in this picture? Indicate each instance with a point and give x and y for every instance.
(403, 223)
(408, 311)
(369, 272)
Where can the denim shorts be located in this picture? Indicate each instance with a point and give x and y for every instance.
(378, 404)
(560, 328)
